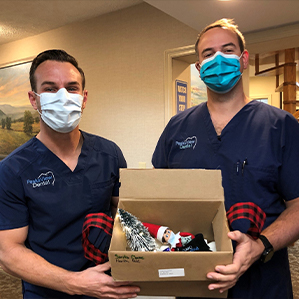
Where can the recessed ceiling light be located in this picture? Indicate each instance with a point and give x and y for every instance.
(6, 30)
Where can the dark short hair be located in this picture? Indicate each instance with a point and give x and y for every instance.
(225, 24)
(56, 55)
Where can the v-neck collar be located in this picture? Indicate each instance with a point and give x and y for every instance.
(50, 157)
(214, 138)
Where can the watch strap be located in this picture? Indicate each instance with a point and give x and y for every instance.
(268, 251)
(266, 242)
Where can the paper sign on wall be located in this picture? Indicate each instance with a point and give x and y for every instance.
(181, 95)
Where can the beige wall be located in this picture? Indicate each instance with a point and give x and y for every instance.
(122, 54)
(264, 87)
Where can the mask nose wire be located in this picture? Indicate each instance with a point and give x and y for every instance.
(40, 113)
(200, 64)
(209, 58)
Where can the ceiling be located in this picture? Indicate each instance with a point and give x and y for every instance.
(250, 15)
(23, 18)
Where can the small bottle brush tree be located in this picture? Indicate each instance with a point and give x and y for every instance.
(138, 237)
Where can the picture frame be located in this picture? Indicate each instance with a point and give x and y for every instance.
(19, 122)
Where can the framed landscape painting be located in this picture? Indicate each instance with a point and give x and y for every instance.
(198, 88)
(18, 120)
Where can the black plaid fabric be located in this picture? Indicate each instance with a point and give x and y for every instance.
(103, 222)
(251, 211)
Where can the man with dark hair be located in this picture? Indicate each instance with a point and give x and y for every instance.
(54, 187)
(256, 148)
(53, 55)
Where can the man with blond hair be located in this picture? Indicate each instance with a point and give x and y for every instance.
(256, 148)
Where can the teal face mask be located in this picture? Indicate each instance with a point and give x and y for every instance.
(221, 72)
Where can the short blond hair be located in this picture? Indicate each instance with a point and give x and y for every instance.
(225, 24)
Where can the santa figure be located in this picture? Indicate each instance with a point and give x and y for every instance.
(166, 236)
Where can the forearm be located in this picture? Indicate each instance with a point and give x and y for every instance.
(282, 232)
(114, 204)
(25, 264)
(285, 230)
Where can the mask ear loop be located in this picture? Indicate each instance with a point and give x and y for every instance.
(197, 65)
(82, 109)
(239, 60)
(82, 105)
(40, 113)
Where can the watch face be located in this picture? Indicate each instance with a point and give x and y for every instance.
(267, 255)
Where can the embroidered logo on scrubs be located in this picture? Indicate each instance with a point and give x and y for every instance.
(43, 179)
(189, 142)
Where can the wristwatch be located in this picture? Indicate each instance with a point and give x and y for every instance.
(269, 250)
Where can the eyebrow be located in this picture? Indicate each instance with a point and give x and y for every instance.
(53, 83)
(223, 46)
(48, 83)
(73, 83)
(229, 44)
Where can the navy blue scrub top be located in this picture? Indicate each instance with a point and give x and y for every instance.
(38, 190)
(257, 154)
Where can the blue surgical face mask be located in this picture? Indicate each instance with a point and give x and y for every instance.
(221, 72)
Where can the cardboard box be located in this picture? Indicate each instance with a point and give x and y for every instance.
(185, 200)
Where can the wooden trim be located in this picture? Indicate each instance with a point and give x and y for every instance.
(168, 93)
(296, 115)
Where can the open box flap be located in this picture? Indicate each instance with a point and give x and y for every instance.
(171, 183)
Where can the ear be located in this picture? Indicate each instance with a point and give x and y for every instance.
(245, 59)
(197, 65)
(32, 99)
(85, 93)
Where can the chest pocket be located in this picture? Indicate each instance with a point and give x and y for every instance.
(101, 193)
(253, 184)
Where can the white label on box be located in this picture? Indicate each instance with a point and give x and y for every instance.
(178, 272)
